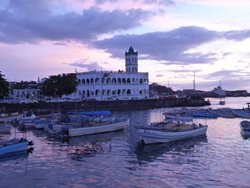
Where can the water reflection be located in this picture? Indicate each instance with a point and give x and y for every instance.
(149, 153)
(88, 146)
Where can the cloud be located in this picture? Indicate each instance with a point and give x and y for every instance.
(237, 74)
(157, 2)
(83, 63)
(159, 75)
(32, 21)
(171, 47)
(237, 35)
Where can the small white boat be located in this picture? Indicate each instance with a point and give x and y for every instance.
(167, 132)
(116, 125)
(3, 115)
(245, 128)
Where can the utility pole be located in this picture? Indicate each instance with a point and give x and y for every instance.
(194, 82)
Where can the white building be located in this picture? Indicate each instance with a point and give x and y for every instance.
(104, 85)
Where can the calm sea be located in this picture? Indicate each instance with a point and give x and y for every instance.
(220, 159)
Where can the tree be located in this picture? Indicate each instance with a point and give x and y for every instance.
(4, 87)
(56, 86)
(159, 89)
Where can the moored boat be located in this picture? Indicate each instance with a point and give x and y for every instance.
(5, 129)
(167, 132)
(14, 145)
(245, 128)
(177, 116)
(201, 114)
(222, 102)
(242, 113)
(95, 122)
(116, 125)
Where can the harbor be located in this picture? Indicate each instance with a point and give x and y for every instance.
(121, 159)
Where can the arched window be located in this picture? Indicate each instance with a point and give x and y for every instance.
(124, 92)
(140, 92)
(119, 80)
(128, 92)
(83, 93)
(123, 81)
(88, 93)
(97, 80)
(128, 81)
(83, 81)
(92, 80)
(87, 81)
(114, 92)
(97, 92)
(103, 80)
(141, 81)
(118, 92)
(108, 81)
(113, 81)
(108, 92)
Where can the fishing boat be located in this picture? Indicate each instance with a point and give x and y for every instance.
(223, 112)
(204, 114)
(242, 113)
(3, 115)
(5, 129)
(98, 122)
(163, 132)
(177, 116)
(222, 102)
(14, 145)
(245, 128)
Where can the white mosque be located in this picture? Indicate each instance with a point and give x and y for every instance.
(110, 85)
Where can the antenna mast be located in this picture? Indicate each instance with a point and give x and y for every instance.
(194, 82)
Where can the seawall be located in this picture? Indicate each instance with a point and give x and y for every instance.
(106, 105)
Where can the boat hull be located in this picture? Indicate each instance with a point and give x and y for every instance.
(150, 136)
(98, 129)
(204, 115)
(242, 114)
(14, 148)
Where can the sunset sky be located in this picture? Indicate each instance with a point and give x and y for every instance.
(174, 38)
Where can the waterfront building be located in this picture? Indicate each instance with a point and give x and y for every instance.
(110, 85)
(219, 91)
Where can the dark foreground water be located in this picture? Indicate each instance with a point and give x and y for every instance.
(219, 159)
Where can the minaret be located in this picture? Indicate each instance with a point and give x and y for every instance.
(131, 58)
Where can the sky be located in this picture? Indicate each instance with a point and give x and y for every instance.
(174, 39)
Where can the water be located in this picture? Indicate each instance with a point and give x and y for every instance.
(220, 159)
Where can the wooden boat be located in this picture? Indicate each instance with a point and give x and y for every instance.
(204, 114)
(102, 127)
(5, 129)
(222, 102)
(13, 145)
(242, 113)
(167, 132)
(3, 115)
(245, 128)
(177, 116)
(223, 112)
